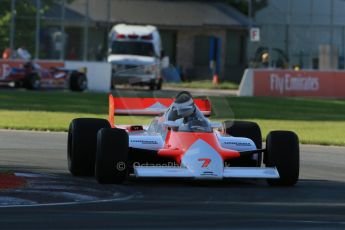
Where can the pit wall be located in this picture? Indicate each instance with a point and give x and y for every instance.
(289, 83)
(98, 74)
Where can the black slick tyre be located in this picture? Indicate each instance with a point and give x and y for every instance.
(78, 82)
(112, 156)
(82, 144)
(282, 152)
(32, 82)
(249, 130)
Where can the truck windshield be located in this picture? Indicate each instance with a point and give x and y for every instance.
(132, 48)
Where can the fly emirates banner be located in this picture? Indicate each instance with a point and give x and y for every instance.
(299, 83)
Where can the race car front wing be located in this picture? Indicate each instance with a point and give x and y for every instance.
(228, 172)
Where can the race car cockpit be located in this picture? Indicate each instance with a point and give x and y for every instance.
(187, 115)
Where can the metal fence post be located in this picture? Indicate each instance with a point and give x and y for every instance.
(86, 32)
(288, 34)
(250, 24)
(62, 25)
(12, 26)
(331, 35)
(38, 28)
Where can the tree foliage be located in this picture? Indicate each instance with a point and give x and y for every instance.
(25, 22)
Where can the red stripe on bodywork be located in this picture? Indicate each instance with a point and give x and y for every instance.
(177, 143)
(111, 117)
(143, 106)
(140, 103)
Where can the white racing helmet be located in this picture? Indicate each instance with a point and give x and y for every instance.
(184, 104)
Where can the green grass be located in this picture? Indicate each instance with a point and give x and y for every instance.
(207, 84)
(309, 132)
(316, 121)
(53, 121)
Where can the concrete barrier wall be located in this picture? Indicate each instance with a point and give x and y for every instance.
(98, 74)
(289, 83)
(246, 86)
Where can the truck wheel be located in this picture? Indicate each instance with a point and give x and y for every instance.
(111, 156)
(282, 149)
(159, 84)
(32, 82)
(249, 130)
(78, 82)
(152, 85)
(82, 143)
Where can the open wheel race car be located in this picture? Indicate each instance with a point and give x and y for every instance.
(180, 143)
(32, 76)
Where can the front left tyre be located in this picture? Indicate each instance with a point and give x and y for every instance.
(282, 152)
(82, 144)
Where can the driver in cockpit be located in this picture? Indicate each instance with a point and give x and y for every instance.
(185, 112)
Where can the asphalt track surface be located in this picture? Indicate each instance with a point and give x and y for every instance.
(55, 200)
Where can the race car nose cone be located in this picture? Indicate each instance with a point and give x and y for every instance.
(203, 161)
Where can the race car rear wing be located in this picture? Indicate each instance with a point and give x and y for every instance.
(147, 106)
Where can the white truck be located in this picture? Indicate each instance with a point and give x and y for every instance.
(135, 53)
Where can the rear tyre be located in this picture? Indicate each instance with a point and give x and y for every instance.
(249, 130)
(78, 82)
(112, 156)
(282, 149)
(32, 82)
(82, 143)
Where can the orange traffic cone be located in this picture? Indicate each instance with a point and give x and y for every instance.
(215, 80)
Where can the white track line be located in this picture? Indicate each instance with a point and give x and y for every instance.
(70, 203)
(8, 200)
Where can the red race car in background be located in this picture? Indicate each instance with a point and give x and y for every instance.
(32, 76)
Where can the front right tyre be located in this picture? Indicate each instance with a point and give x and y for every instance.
(82, 143)
(249, 130)
(112, 156)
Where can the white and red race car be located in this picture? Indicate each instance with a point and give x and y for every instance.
(179, 143)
